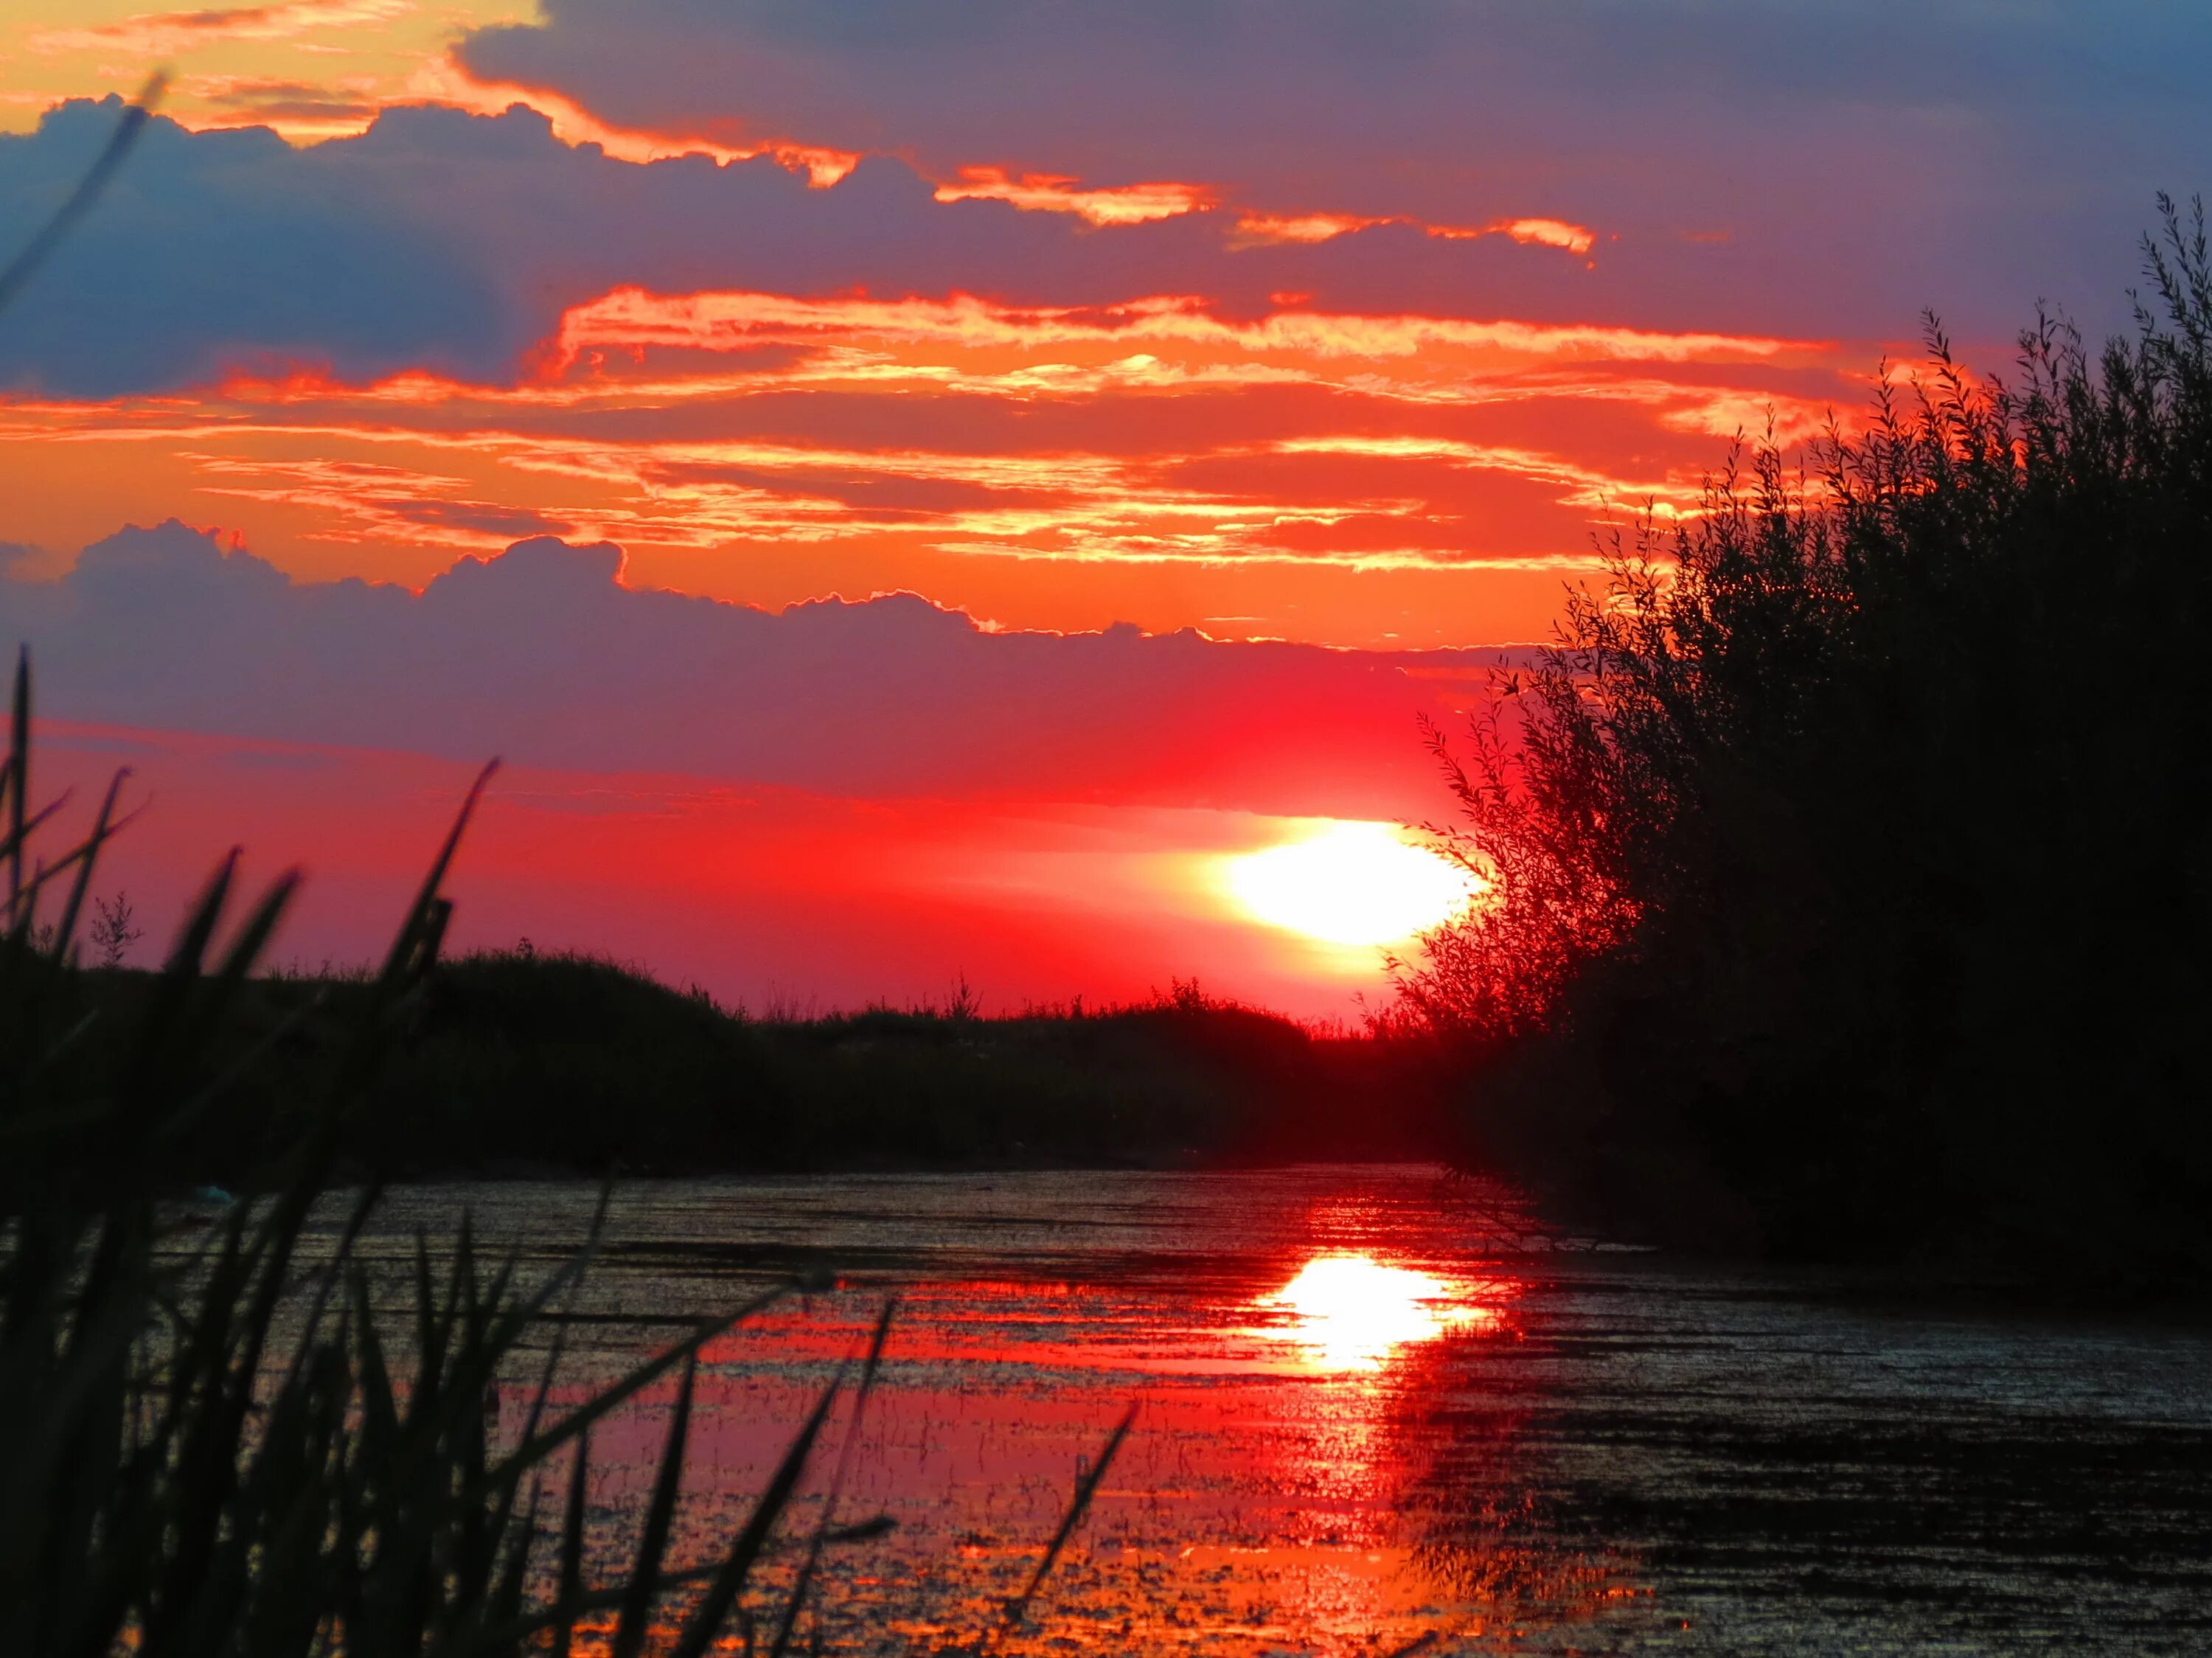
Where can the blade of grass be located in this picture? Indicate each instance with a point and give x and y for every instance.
(653, 1541)
(246, 946)
(36, 251)
(708, 1619)
(1085, 1489)
(570, 1595)
(104, 827)
(419, 922)
(825, 1525)
(532, 1452)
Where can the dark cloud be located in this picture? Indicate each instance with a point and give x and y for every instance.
(449, 242)
(540, 655)
(1814, 168)
(207, 247)
(1861, 157)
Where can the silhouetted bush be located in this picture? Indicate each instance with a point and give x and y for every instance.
(1849, 851)
(530, 1062)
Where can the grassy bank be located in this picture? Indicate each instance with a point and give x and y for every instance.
(520, 1063)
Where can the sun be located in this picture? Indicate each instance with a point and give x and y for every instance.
(1350, 883)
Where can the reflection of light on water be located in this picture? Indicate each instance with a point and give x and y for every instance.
(1350, 1312)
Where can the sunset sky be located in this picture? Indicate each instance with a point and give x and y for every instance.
(1180, 396)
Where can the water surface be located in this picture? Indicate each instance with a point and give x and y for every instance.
(1374, 1410)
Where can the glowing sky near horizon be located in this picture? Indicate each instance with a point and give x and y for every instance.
(1315, 322)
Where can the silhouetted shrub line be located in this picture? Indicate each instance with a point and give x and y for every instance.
(528, 1062)
(1849, 851)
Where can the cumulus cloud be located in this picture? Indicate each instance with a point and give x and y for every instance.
(212, 247)
(541, 654)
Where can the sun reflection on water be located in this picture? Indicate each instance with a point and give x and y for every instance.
(1350, 1312)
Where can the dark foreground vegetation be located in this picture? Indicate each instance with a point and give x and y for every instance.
(520, 1063)
(1850, 849)
(231, 1435)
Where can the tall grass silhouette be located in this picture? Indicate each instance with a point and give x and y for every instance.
(224, 1442)
(1849, 859)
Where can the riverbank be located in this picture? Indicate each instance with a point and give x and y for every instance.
(521, 1064)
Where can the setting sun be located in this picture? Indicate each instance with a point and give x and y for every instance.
(1351, 884)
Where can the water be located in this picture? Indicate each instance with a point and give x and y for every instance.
(1445, 1434)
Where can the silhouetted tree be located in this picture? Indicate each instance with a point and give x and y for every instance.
(1849, 867)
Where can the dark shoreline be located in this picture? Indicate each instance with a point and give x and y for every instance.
(517, 1063)
(605, 1074)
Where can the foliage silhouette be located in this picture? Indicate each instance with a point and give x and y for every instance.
(536, 1062)
(1848, 859)
(222, 1441)
(114, 929)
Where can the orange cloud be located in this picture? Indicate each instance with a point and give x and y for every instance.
(1257, 228)
(444, 80)
(1047, 192)
(630, 318)
(1547, 233)
(160, 34)
(322, 478)
(1342, 478)
(1585, 486)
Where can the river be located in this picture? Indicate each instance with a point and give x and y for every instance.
(1376, 1409)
